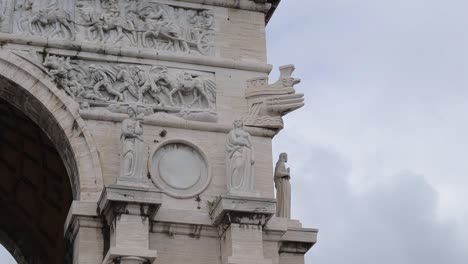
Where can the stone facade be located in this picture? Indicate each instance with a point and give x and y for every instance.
(139, 99)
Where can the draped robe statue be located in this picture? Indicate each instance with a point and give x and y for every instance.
(239, 160)
(283, 187)
(132, 161)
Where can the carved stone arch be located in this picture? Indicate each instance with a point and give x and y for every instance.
(29, 89)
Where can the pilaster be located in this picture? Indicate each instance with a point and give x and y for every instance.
(83, 233)
(128, 212)
(240, 222)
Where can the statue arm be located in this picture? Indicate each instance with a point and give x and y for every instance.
(97, 85)
(125, 131)
(232, 138)
(138, 128)
(119, 75)
(281, 171)
(237, 142)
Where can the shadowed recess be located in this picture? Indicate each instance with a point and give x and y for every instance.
(35, 191)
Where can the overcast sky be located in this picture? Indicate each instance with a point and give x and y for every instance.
(379, 153)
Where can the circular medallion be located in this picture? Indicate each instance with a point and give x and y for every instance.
(179, 169)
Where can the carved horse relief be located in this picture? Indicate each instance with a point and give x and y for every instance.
(197, 86)
(46, 19)
(156, 87)
(140, 24)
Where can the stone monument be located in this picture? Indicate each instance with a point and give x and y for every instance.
(159, 117)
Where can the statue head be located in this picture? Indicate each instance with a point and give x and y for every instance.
(132, 111)
(238, 123)
(284, 157)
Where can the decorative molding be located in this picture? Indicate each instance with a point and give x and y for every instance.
(165, 120)
(81, 50)
(268, 103)
(242, 210)
(117, 199)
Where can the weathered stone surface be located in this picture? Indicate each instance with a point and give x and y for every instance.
(157, 182)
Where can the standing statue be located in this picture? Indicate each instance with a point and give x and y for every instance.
(132, 161)
(239, 160)
(283, 187)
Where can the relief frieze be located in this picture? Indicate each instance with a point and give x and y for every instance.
(112, 87)
(124, 23)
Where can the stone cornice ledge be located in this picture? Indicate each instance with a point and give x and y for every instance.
(166, 122)
(251, 5)
(141, 53)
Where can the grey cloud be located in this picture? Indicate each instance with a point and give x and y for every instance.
(389, 222)
(386, 91)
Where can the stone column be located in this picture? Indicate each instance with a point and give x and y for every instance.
(83, 233)
(240, 222)
(128, 212)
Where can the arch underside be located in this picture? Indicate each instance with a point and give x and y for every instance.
(35, 191)
(33, 92)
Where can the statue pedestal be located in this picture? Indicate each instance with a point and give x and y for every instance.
(238, 193)
(128, 212)
(240, 222)
(134, 182)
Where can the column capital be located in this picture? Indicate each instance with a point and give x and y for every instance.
(116, 200)
(298, 240)
(242, 210)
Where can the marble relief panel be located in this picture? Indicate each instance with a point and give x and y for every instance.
(112, 87)
(125, 23)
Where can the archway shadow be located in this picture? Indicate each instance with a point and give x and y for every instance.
(35, 191)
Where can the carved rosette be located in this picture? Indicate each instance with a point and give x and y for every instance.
(139, 24)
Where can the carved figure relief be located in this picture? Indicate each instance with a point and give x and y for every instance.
(177, 179)
(268, 103)
(183, 93)
(140, 24)
(132, 161)
(45, 18)
(239, 160)
(283, 187)
(6, 10)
